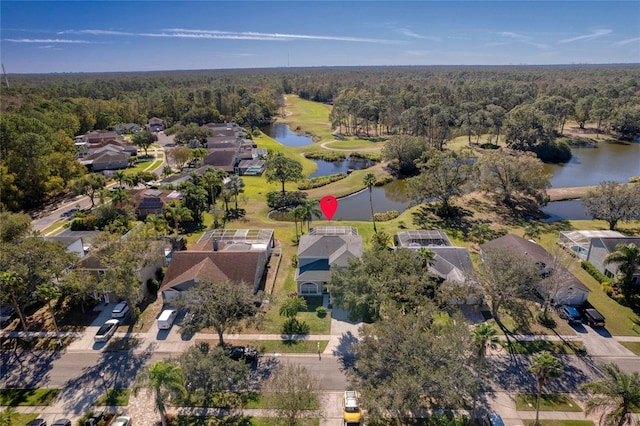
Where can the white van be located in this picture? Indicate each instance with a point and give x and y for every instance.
(166, 318)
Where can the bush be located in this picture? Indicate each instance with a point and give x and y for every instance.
(276, 199)
(593, 271)
(325, 156)
(153, 286)
(321, 181)
(293, 326)
(390, 215)
(554, 152)
(383, 180)
(321, 311)
(607, 288)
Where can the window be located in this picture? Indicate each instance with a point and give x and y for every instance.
(308, 288)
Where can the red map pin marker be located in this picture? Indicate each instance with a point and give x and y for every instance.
(329, 205)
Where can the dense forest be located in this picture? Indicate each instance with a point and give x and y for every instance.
(527, 107)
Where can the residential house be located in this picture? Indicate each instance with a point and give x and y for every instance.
(578, 242)
(73, 244)
(601, 247)
(152, 201)
(451, 264)
(323, 250)
(238, 255)
(126, 128)
(155, 124)
(226, 160)
(106, 158)
(569, 291)
(92, 263)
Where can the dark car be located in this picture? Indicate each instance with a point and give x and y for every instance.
(593, 318)
(569, 313)
(247, 354)
(492, 419)
(94, 419)
(37, 422)
(61, 422)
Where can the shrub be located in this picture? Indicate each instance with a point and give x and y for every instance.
(326, 156)
(153, 286)
(321, 311)
(607, 288)
(276, 199)
(321, 181)
(389, 215)
(294, 260)
(588, 266)
(383, 180)
(554, 152)
(293, 326)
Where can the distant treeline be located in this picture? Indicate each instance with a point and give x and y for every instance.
(527, 106)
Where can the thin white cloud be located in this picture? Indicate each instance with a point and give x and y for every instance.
(595, 34)
(627, 41)
(411, 33)
(523, 39)
(417, 52)
(228, 35)
(45, 40)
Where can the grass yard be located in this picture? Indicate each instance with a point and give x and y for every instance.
(548, 402)
(531, 347)
(17, 419)
(355, 145)
(312, 117)
(560, 422)
(115, 397)
(184, 420)
(27, 397)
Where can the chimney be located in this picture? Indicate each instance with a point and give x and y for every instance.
(215, 244)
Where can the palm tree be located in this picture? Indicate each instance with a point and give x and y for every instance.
(236, 187)
(427, 256)
(298, 214)
(546, 367)
(627, 258)
(369, 181)
(616, 396)
(165, 381)
(310, 210)
(531, 231)
(119, 175)
(213, 179)
(484, 337)
(177, 212)
(118, 197)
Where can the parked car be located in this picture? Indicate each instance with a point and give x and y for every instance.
(247, 354)
(120, 311)
(351, 410)
(593, 318)
(61, 422)
(492, 419)
(569, 313)
(122, 421)
(37, 422)
(166, 318)
(106, 330)
(6, 312)
(94, 419)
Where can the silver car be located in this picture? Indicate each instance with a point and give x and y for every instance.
(122, 421)
(106, 330)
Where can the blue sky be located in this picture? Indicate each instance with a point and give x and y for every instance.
(92, 36)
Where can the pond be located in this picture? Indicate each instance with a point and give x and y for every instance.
(391, 196)
(591, 165)
(285, 136)
(326, 168)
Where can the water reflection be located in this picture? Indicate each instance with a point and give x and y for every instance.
(590, 165)
(326, 168)
(565, 210)
(285, 136)
(391, 196)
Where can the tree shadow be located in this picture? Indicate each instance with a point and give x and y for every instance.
(345, 353)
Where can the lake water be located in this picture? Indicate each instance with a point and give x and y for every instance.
(285, 136)
(592, 165)
(589, 165)
(326, 168)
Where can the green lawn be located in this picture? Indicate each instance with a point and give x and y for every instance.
(356, 145)
(183, 420)
(17, 419)
(116, 397)
(277, 346)
(531, 347)
(27, 397)
(548, 402)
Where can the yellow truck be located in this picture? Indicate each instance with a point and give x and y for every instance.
(351, 410)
